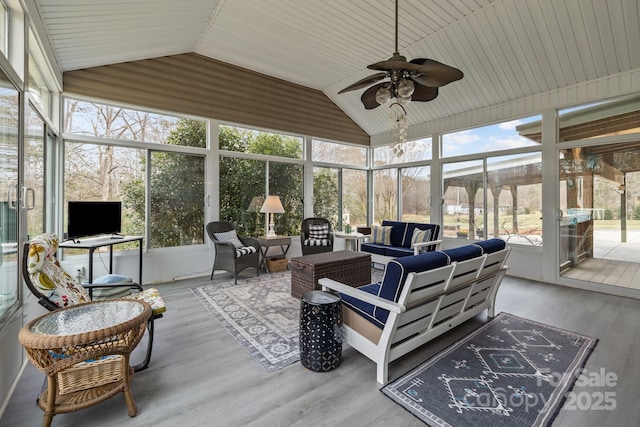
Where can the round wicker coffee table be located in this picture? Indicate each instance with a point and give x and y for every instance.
(84, 351)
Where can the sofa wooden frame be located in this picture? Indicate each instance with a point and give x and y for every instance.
(431, 303)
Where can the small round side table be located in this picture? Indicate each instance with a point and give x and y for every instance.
(320, 331)
(84, 351)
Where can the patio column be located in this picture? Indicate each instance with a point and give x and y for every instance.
(514, 204)
(496, 189)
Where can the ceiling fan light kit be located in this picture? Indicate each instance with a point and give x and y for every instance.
(415, 80)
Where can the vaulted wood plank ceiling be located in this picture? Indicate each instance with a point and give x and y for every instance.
(508, 49)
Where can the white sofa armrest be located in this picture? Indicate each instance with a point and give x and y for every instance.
(417, 246)
(361, 295)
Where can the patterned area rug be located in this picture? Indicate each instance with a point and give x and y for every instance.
(508, 372)
(260, 314)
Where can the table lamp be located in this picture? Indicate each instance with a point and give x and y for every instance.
(272, 205)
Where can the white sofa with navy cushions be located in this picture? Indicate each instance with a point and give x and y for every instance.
(394, 239)
(419, 298)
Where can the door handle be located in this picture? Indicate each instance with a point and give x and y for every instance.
(28, 195)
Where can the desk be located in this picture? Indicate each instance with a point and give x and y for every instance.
(98, 242)
(284, 242)
(57, 343)
(353, 239)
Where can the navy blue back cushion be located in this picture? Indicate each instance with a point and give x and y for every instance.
(492, 245)
(463, 253)
(398, 230)
(396, 273)
(397, 270)
(411, 226)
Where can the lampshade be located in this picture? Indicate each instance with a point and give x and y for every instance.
(272, 205)
(255, 204)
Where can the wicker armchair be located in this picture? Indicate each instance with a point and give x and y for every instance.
(54, 288)
(233, 253)
(316, 236)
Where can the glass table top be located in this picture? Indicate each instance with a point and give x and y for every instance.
(87, 318)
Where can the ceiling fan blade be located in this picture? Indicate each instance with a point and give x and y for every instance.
(424, 93)
(368, 97)
(433, 73)
(364, 82)
(396, 62)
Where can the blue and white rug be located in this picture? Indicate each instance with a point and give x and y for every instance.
(509, 372)
(260, 313)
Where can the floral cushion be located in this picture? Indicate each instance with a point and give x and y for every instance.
(48, 276)
(54, 283)
(151, 296)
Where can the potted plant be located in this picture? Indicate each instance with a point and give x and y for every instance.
(463, 233)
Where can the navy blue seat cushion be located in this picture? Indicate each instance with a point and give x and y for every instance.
(411, 226)
(492, 245)
(374, 248)
(398, 252)
(398, 231)
(463, 253)
(390, 288)
(362, 308)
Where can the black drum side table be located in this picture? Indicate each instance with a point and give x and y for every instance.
(320, 331)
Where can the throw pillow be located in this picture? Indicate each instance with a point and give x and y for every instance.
(382, 234)
(420, 236)
(318, 232)
(229, 236)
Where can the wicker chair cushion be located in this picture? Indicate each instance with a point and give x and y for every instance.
(229, 236)
(317, 242)
(245, 250)
(48, 276)
(153, 298)
(318, 232)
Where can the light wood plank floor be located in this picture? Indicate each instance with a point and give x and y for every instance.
(200, 376)
(608, 271)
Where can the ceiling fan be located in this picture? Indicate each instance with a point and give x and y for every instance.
(403, 76)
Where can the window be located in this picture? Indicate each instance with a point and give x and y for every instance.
(385, 195)
(412, 151)
(112, 169)
(9, 121)
(416, 194)
(4, 29)
(354, 197)
(242, 192)
(107, 172)
(340, 195)
(326, 194)
(126, 124)
(331, 152)
(285, 181)
(235, 138)
(177, 200)
(245, 182)
(501, 136)
(463, 198)
(514, 199)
